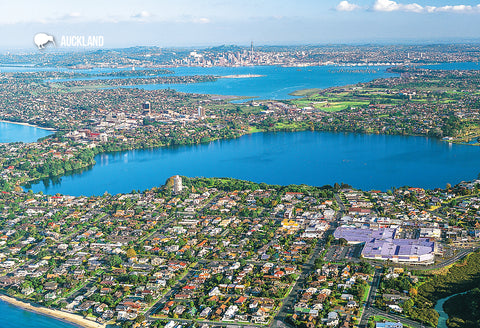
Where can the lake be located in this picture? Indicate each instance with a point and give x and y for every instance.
(314, 158)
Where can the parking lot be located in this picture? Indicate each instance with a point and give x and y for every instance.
(343, 253)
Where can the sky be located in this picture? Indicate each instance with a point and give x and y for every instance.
(170, 23)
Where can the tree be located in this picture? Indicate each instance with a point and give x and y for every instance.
(148, 298)
(342, 242)
(115, 261)
(131, 253)
(413, 292)
(140, 318)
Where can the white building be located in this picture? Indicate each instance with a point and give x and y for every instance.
(177, 184)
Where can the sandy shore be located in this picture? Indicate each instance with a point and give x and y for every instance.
(28, 124)
(240, 76)
(57, 314)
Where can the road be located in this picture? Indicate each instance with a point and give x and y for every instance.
(340, 203)
(445, 263)
(307, 268)
(289, 301)
(154, 309)
(371, 297)
(396, 318)
(377, 277)
(371, 311)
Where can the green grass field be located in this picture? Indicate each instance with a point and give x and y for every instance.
(330, 105)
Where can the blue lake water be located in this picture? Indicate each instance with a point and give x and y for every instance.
(14, 317)
(315, 158)
(10, 132)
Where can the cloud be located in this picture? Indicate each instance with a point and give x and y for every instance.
(346, 6)
(201, 20)
(458, 9)
(386, 5)
(143, 15)
(389, 5)
(392, 6)
(412, 7)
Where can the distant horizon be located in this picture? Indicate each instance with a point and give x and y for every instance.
(215, 22)
(398, 42)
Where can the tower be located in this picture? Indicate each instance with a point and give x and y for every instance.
(251, 52)
(177, 184)
(201, 112)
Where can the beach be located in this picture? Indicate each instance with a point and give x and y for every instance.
(57, 314)
(240, 76)
(27, 124)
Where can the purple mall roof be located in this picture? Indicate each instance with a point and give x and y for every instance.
(398, 247)
(364, 235)
(381, 243)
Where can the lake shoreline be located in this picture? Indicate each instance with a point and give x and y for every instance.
(265, 145)
(56, 314)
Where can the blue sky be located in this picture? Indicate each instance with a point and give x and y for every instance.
(213, 22)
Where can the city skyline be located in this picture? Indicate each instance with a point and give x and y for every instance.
(213, 22)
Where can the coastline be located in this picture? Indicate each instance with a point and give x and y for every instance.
(28, 124)
(240, 76)
(56, 314)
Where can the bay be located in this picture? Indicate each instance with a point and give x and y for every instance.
(314, 158)
(12, 132)
(272, 82)
(14, 317)
(454, 66)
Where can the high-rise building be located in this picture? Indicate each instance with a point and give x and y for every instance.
(177, 184)
(201, 112)
(251, 52)
(146, 107)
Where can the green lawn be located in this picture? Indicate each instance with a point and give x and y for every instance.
(305, 92)
(329, 106)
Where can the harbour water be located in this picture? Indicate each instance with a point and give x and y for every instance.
(14, 317)
(271, 82)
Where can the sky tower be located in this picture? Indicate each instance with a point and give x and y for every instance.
(251, 52)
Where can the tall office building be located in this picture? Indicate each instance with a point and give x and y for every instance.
(146, 107)
(177, 184)
(201, 112)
